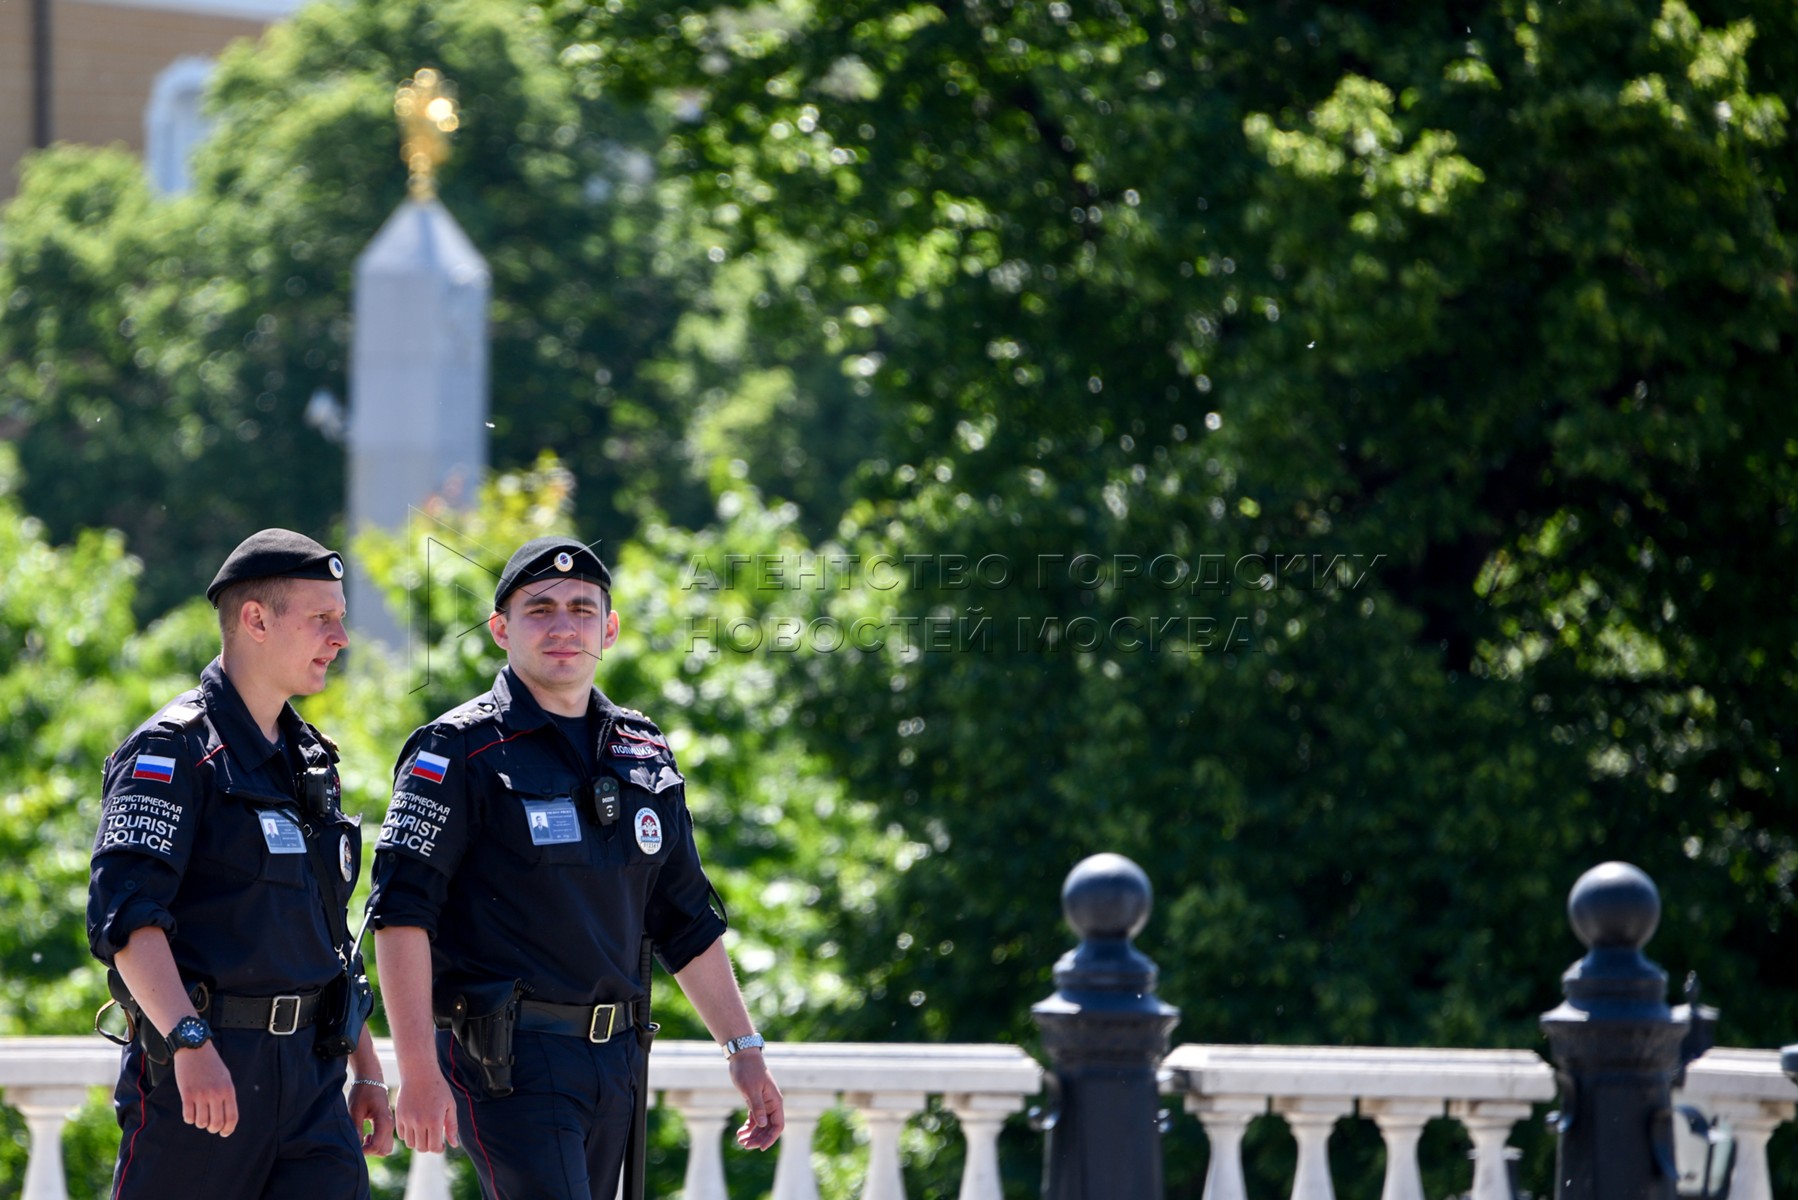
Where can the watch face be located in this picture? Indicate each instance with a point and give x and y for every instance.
(189, 1033)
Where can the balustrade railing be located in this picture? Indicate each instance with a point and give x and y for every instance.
(885, 1086)
(1400, 1090)
(48, 1078)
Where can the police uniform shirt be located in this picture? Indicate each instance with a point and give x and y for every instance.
(202, 835)
(493, 846)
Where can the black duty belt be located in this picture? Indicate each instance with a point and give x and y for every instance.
(594, 1022)
(279, 1015)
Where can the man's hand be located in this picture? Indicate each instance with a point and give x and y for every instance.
(767, 1112)
(369, 1105)
(208, 1098)
(426, 1117)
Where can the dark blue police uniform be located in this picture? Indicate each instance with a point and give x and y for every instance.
(204, 833)
(537, 866)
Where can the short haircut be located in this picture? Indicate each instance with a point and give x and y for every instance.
(272, 592)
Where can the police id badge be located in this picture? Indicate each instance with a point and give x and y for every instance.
(552, 822)
(281, 833)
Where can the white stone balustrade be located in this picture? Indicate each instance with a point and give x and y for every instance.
(1488, 1091)
(48, 1078)
(1313, 1087)
(1752, 1095)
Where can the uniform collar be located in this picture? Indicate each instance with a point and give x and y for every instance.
(231, 718)
(519, 710)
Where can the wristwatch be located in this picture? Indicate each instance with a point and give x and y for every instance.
(189, 1033)
(749, 1041)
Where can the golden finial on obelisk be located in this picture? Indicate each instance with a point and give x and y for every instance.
(426, 108)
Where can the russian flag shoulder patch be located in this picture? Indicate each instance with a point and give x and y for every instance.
(430, 767)
(153, 766)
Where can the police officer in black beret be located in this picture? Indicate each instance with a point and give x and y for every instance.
(537, 835)
(221, 873)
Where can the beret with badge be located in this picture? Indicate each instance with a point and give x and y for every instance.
(275, 554)
(547, 559)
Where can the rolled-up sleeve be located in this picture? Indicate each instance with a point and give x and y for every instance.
(126, 893)
(406, 892)
(679, 918)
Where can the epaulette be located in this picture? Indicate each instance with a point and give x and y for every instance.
(633, 726)
(465, 715)
(325, 740)
(181, 716)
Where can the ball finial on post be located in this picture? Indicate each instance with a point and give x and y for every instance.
(1614, 906)
(1105, 1032)
(1106, 896)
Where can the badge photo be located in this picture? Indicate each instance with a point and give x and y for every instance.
(648, 828)
(346, 861)
(281, 833)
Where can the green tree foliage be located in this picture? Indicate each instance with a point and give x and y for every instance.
(173, 345)
(1490, 302)
(73, 672)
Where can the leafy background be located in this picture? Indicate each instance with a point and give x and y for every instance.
(1451, 350)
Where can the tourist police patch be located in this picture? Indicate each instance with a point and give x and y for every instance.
(649, 830)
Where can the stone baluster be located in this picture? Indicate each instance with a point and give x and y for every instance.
(1226, 1119)
(428, 1177)
(1489, 1123)
(1401, 1125)
(1311, 1119)
(885, 1114)
(1753, 1125)
(981, 1117)
(794, 1178)
(707, 1116)
(46, 1110)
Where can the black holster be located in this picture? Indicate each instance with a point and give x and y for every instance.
(344, 1007)
(158, 1058)
(483, 1017)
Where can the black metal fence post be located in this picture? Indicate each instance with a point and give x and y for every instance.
(1105, 1033)
(1616, 1046)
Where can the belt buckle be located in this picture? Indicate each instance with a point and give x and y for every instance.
(593, 1034)
(276, 1025)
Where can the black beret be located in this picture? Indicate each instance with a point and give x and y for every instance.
(275, 554)
(550, 558)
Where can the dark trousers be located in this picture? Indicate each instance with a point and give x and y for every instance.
(294, 1139)
(561, 1134)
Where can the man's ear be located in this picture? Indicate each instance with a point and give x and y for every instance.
(253, 619)
(496, 625)
(611, 634)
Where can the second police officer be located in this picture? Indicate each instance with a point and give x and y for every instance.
(537, 835)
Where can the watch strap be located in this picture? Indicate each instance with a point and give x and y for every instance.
(749, 1041)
